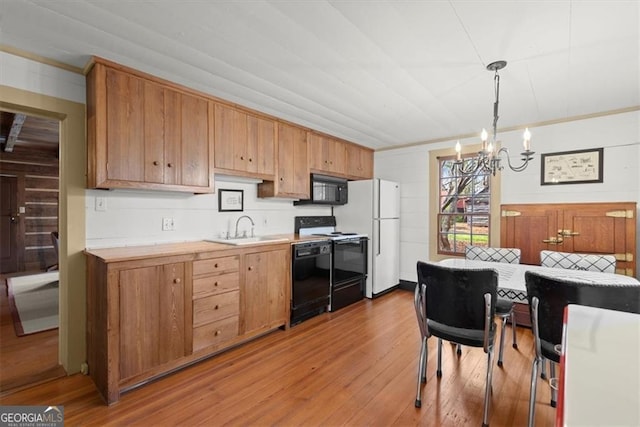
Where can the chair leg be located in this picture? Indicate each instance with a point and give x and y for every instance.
(513, 326)
(426, 359)
(421, 372)
(532, 390)
(439, 370)
(488, 388)
(543, 374)
(554, 392)
(504, 327)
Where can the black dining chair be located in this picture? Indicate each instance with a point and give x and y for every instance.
(456, 305)
(548, 296)
(504, 307)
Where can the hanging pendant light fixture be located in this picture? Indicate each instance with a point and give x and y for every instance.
(488, 159)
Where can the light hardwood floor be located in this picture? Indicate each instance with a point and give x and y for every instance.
(28, 359)
(354, 367)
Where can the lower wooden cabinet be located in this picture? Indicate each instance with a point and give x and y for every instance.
(148, 315)
(152, 318)
(264, 299)
(216, 301)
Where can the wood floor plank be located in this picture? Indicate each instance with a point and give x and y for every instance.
(357, 366)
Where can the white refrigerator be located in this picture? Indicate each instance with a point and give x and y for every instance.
(373, 209)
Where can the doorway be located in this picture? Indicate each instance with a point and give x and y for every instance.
(71, 219)
(29, 173)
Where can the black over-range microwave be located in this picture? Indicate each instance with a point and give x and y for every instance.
(326, 190)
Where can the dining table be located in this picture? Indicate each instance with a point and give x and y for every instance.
(511, 281)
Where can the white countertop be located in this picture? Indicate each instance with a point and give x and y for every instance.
(601, 368)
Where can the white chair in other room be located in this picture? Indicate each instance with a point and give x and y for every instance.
(504, 307)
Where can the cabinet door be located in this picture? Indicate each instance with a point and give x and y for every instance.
(230, 137)
(154, 132)
(191, 164)
(338, 157)
(602, 228)
(359, 162)
(327, 155)
(261, 143)
(124, 127)
(152, 317)
(532, 228)
(293, 171)
(264, 298)
(318, 153)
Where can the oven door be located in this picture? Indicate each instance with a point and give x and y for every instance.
(310, 278)
(349, 260)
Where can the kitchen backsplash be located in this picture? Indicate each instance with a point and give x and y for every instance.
(135, 217)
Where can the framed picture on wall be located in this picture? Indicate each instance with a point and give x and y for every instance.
(572, 167)
(230, 200)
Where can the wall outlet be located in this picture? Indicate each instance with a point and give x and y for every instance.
(168, 224)
(101, 204)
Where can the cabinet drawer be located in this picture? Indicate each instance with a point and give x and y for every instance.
(215, 333)
(215, 307)
(215, 284)
(216, 265)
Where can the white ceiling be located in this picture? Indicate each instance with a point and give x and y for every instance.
(379, 73)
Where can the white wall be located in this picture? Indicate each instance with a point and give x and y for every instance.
(25, 74)
(619, 134)
(135, 217)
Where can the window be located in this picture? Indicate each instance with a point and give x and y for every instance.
(464, 207)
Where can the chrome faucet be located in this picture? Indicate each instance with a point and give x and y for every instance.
(245, 233)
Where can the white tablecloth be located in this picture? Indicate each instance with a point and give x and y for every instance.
(511, 283)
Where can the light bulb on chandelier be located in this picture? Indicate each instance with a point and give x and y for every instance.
(488, 159)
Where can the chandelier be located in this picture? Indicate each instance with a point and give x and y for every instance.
(488, 159)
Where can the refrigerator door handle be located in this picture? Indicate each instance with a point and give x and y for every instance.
(379, 237)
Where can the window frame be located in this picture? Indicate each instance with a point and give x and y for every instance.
(469, 193)
(434, 202)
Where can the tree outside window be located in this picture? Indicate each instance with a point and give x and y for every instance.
(464, 207)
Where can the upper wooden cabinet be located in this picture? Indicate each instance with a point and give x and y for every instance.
(146, 133)
(594, 228)
(359, 162)
(292, 174)
(244, 143)
(327, 155)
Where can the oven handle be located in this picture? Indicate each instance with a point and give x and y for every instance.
(357, 242)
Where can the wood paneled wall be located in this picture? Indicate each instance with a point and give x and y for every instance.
(38, 189)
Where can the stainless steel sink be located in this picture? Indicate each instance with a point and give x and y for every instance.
(249, 240)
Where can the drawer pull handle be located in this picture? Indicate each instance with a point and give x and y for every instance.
(169, 165)
(218, 333)
(216, 265)
(215, 284)
(250, 268)
(155, 163)
(216, 307)
(177, 280)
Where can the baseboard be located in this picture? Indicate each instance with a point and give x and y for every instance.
(407, 285)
